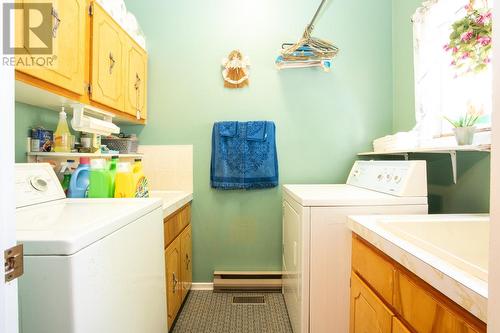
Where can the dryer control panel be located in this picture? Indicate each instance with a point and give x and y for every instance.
(36, 183)
(400, 178)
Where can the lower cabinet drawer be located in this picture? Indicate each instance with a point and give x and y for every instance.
(378, 272)
(427, 312)
(175, 223)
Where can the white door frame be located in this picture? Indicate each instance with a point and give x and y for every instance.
(8, 292)
(494, 267)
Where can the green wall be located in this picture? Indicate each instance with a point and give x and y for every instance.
(402, 56)
(471, 193)
(322, 119)
(28, 116)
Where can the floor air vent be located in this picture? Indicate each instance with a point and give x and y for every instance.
(225, 281)
(249, 300)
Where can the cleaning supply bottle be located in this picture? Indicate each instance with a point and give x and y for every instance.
(100, 179)
(66, 169)
(62, 134)
(140, 181)
(79, 185)
(124, 182)
(112, 171)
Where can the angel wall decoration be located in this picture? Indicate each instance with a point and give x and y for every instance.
(235, 70)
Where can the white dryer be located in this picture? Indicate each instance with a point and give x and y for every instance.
(317, 242)
(91, 265)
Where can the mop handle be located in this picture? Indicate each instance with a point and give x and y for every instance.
(310, 27)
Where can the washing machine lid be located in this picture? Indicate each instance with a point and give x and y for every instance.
(340, 195)
(64, 227)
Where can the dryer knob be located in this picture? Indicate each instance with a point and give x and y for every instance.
(39, 183)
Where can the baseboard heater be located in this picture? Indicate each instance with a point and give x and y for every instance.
(228, 281)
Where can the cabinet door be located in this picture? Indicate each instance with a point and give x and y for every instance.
(174, 289)
(136, 80)
(398, 327)
(107, 60)
(186, 260)
(368, 312)
(66, 66)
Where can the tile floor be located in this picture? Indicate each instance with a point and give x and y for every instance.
(208, 312)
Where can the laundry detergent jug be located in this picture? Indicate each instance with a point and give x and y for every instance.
(100, 179)
(79, 184)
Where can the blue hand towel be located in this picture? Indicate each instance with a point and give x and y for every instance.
(244, 155)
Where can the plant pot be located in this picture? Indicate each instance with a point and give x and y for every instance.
(464, 135)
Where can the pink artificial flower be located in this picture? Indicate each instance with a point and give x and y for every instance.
(466, 36)
(455, 49)
(487, 60)
(447, 47)
(484, 19)
(465, 55)
(484, 40)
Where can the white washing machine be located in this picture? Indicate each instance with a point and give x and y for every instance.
(91, 265)
(317, 242)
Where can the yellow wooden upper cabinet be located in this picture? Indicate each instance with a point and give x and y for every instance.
(135, 82)
(108, 65)
(65, 65)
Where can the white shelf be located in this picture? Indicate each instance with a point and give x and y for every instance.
(77, 155)
(433, 150)
(41, 98)
(452, 151)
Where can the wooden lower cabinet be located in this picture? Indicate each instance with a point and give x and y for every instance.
(368, 313)
(178, 260)
(398, 326)
(386, 297)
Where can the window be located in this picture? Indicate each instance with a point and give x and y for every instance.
(442, 90)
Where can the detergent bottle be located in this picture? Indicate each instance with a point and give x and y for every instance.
(62, 134)
(112, 171)
(124, 181)
(66, 170)
(79, 184)
(140, 181)
(100, 179)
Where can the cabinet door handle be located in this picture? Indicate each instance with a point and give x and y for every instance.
(112, 62)
(188, 261)
(174, 285)
(137, 83)
(137, 86)
(57, 22)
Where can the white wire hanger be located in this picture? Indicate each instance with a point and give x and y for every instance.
(309, 51)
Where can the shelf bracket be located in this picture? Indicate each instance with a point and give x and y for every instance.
(453, 158)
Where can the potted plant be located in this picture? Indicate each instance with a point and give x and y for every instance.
(465, 126)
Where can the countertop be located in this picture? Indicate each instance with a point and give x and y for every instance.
(172, 200)
(463, 288)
